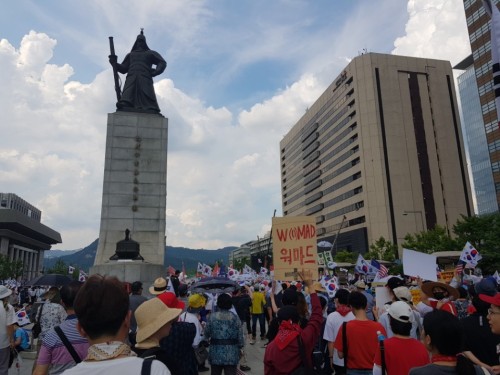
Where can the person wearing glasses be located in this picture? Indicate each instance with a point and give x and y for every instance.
(493, 311)
(493, 319)
(480, 343)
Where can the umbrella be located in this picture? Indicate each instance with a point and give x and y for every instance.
(324, 244)
(214, 285)
(50, 279)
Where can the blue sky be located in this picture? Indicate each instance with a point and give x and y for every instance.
(239, 76)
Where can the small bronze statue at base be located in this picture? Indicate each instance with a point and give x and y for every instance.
(127, 249)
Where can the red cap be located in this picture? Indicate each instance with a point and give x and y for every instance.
(171, 300)
(495, 300)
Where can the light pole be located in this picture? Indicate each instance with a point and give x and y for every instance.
(405, 213)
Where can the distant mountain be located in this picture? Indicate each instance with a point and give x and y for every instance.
(58, 253)
(174, 256)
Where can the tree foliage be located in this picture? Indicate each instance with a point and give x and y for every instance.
(483, 232)
(436, 239)
(346, 257)
(240, 263)
(382, 249)
(59, 267)
(9, 268)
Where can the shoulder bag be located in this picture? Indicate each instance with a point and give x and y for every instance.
(37, 327)
(67, 344)
(344, 343)
(304, 368)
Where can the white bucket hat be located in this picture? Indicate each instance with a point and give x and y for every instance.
(4, 291)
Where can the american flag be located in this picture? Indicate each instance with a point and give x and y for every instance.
(459, 267)
(382, 270)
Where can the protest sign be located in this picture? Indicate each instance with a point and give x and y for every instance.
(382, 296)
(321, 259)
(419, 264)
(294, 247)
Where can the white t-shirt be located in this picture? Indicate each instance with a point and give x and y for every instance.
(192, 318)
(122, 366)
(332, 327)
(6, 319)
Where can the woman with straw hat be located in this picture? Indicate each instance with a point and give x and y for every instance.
(154, 320)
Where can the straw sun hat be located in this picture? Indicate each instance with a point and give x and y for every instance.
(159, 286)
(427, 288)
(151, 316)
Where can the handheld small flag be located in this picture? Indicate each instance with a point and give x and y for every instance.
(470, 255)
(363, 267)
(22, 317)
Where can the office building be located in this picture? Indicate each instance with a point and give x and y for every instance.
(379, 154)
(479, 26)
(22, 236)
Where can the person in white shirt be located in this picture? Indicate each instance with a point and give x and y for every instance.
(196, 303)
(7, 320)
(334, 322)
(102, 309)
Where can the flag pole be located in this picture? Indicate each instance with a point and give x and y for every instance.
(337, 235)
(269, 242)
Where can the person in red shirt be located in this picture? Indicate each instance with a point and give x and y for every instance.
(282, 355)
(401, 352)
(362, 340)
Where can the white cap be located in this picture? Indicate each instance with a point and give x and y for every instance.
(402, 293)
(401, 311)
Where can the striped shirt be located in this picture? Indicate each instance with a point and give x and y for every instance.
(55, 354)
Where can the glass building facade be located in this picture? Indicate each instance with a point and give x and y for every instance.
(479, 26)
(477, 146)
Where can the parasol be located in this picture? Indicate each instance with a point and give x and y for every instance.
(214, 285)
(50, 279)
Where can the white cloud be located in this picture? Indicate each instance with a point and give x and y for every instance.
(437, 29)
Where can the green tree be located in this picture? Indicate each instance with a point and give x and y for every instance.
(59, 267)
(240, 263)
(483, 232)
(436, 239)
(382, 249)
(16, 269)
(10, 269)
(346, 257)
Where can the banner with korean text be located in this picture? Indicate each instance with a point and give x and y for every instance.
(294, 247)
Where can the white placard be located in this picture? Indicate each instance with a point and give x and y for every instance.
(419, 264)
(382, 296)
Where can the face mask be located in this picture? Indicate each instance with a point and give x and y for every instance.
(439, 295)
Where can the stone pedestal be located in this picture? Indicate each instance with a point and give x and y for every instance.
(134, 192)
(131, 271)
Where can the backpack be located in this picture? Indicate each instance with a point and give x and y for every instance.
(320, 355)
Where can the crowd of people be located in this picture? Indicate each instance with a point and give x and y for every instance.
(101, 327)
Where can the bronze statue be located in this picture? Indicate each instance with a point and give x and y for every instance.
(140, 65)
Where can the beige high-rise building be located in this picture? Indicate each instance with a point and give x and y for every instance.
(380, 153)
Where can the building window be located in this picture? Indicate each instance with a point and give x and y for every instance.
(494, 146)
(495, 167)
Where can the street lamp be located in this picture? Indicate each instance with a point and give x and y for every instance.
(405, 213)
